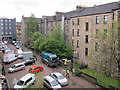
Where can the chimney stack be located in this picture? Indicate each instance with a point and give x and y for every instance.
(78, 8)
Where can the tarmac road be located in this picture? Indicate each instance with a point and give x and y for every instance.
(74, 81)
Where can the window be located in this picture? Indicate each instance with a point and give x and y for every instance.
(9, 27)
(86, 39)
(9, 32)
(86, 51)
(77, 43)
(5, 20)
(105, 32)
(54, 75)
(96, 33)
(9, 20)
(6, 27)
(2, 24)
(97, 19)
(78, 21)
(2, 32)
(1, 20)
(28, 81)
(73, 32)
(77, 55)
(105, 18)
(6, 33)
(78, 32)
(73, 22)
(87, 25)
(2, 27)
(73, 43)
(96, 46)
(118, 14)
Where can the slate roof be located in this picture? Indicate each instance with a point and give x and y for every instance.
(67, 15)
(100, 9)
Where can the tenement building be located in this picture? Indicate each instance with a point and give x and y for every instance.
(18, 31)
(86, 22)
(7, 29)
(79, 26)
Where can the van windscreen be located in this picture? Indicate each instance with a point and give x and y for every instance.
(54, 58)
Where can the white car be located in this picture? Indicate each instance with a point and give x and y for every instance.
(17, 47)
(16, 67)
(25, 81)
(60, 78)
(51, 83)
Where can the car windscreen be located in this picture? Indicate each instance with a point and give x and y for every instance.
(20, 83)
(31, 69)
(13, 66)
(54, 83)
(61, 77)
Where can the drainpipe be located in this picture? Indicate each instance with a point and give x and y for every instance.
(45, 28)
(63, 25)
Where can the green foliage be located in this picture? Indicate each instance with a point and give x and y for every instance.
(36, 36)
(39, 43)
(31, 26)
(105, 59)
(101, 78)
(57, 34)
(54, 43)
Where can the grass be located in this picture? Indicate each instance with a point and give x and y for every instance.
(102, 79)
(38, 82)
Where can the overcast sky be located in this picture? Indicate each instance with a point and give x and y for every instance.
(16, 8)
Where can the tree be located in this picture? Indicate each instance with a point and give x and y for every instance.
(54, 43)
(38, 41)
(105, 58)
(31, 26)
(36, 36)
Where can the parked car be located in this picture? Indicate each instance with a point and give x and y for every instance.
(25, 81)
(17, 47)
(60, 78)
(15, 44)
(51, 83)
(16, 67)
(35, 69)
(29, 61)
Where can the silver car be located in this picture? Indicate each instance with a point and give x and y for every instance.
(16, 67)
(51, 83)
(60, 78)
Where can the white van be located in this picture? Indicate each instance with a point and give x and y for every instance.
(16, 67)
(27, 55)
(20, 54)
(9, 57)
(25, 81)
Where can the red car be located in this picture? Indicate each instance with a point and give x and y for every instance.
(35, 69)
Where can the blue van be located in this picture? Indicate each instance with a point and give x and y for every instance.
(49, 59)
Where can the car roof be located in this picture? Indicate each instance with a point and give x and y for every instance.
(18, 64)
(49, 54)
(49, 78)
(34, 67)
(27, 76)
(57, 73)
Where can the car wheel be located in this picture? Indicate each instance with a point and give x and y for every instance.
(23, 68)
(13, 71)
(47, 64)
